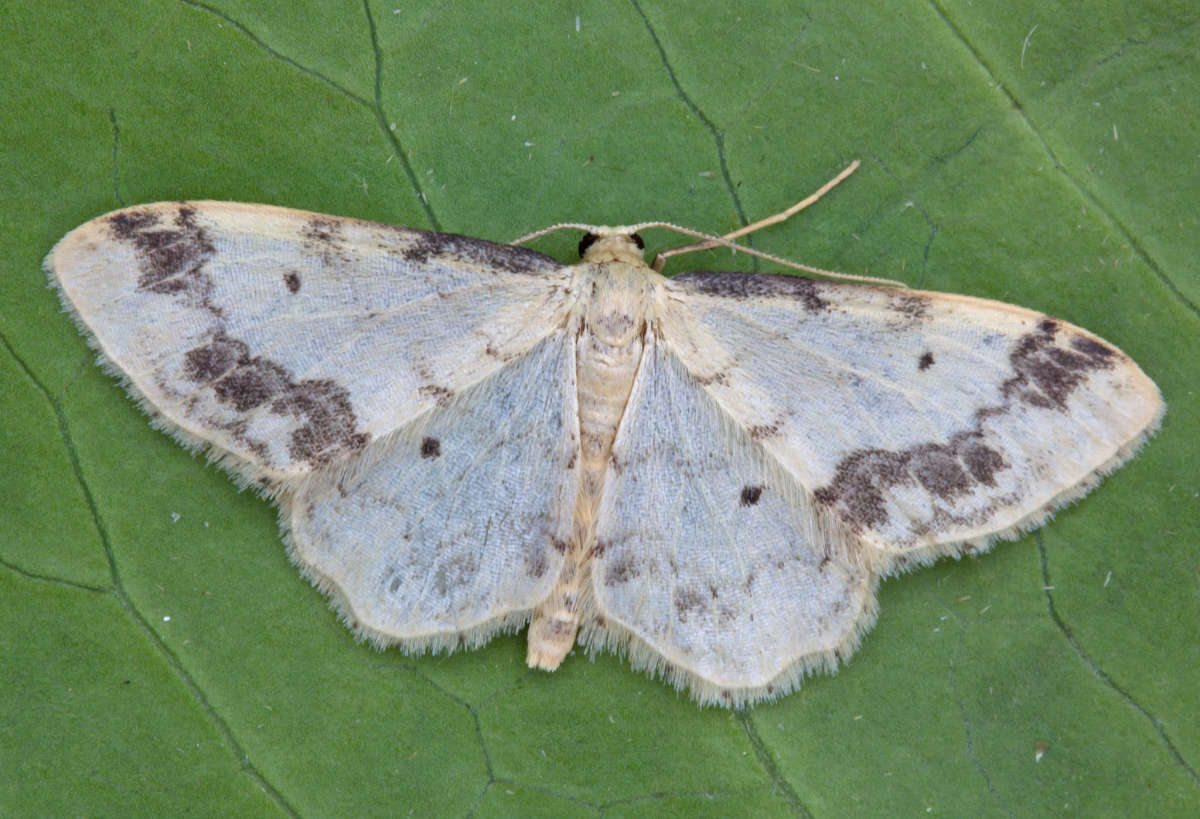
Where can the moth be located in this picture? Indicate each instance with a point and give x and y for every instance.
(709, 473)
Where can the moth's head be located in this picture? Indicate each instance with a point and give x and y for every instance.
(616, 244)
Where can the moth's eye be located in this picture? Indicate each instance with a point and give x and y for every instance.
(637, 240)
(587, 241)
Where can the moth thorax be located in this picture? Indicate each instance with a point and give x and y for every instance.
(616, 307)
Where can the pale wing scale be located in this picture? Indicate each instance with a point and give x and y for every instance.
(452, 527)
(925, 422)
(285, 339)
(708, 565)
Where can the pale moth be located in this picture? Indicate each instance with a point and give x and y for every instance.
(710, 473)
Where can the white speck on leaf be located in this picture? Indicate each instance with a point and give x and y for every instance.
(1025, 45)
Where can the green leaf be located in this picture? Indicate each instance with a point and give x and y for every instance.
(158, 654)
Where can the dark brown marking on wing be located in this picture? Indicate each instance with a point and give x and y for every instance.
(621, 571)
(239, 431)
(1045, 376)
(127, 224)
(727, 614)
(760, 431)
(431, 448)
(455, 573)
(946, 471)
(720, 377)
(754, 285)
(171, 256)
(1092, 348)
(323, 237)
(440, 395)
(291, 280)
(912, 308)
(925, 361)
(479, 252)
(330, 427)
(322, 230)
(750, 495)
(688, 602)
(210, 362)
(328, 424)
(615, 464)
(535, 562)
(1046, 373)
(252, 383)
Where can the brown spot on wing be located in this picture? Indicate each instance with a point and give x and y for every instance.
(329, 428)
(239, 431)
(253, 384)
(760, 431)
(440, 395)
(476, 251)
(620, 571)
(982, 462)
(939, 470)
(328, 424)
(322, 236)
(127, 224)
(912, 308)
(1092, 349)
(755, 285)
(535, 562)
(720, 377)
(322, 230)
(1046, 375)
(455, 573)
(688, 601)
(750, 495)
(431, 448)
(292, 281)
(210, 362)
(864, 477)
(859, 483)
(925, 361)
(171, 257)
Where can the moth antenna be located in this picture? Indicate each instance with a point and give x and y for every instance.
(714, 241)
(762, 223)
(710, 241)
(552, 229)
